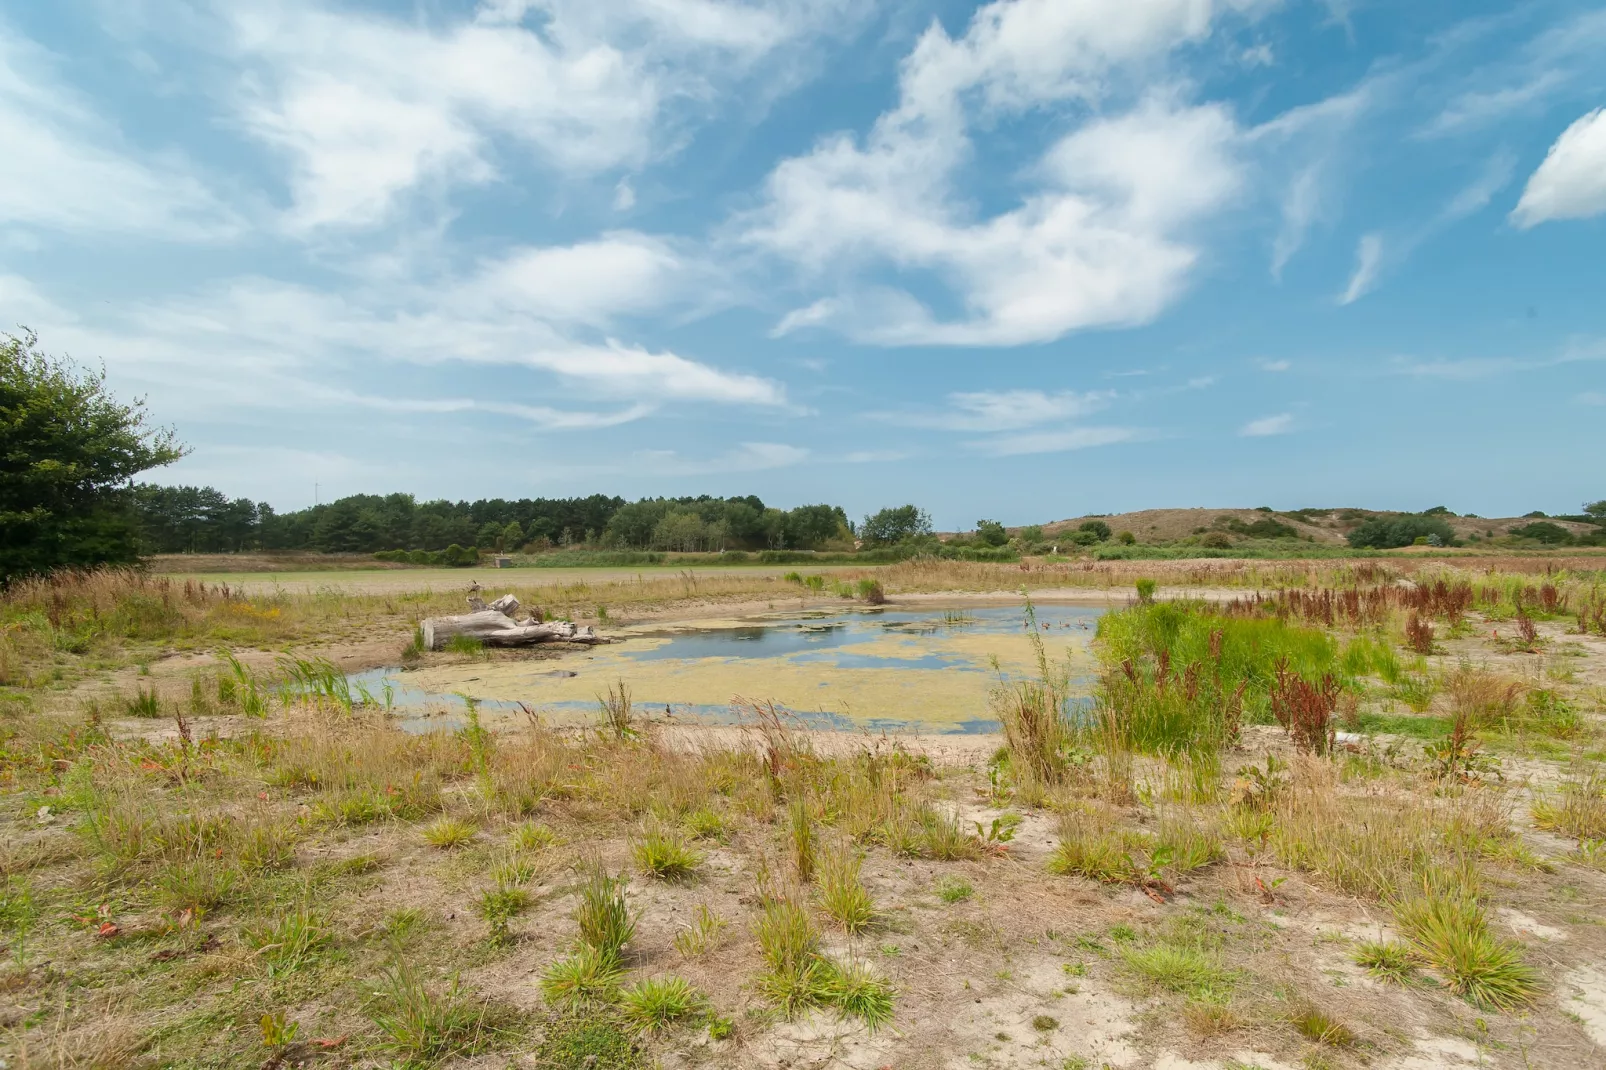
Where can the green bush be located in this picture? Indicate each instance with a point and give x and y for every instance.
(1403, 529)
(1544, 531)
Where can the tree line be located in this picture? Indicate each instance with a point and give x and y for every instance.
(204, 520)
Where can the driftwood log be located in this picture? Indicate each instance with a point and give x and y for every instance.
(495, 626)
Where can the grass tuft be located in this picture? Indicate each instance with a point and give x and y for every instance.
(603, 916)
(655, 1004)
(1387, 960)
(447, 833)
(1315, 1024)
(842, 894)
(587, 976)
(664, 854)
(1451, 935)
(421, 1026)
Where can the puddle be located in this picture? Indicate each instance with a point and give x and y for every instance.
(865, 668)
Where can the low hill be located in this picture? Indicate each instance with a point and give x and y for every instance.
(1327, 526)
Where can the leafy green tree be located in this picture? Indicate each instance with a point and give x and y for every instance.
(512, 536)
(68, 452)
(895, 525)
(1097, 528)
(1596, 510)
(991, 533)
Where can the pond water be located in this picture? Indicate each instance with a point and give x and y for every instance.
(927, 669)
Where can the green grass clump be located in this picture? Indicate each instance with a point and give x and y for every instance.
(420, 1026)
(664, 854)
(447, 833)
(655, 1004)
(1387, 960)
(603, 916)
(800, 838)
(797, 976)
(856, 991)
(143, 704)
(704, 823)
(1578, 809)
(842, 894)
(1451, 935)
(1091, 848)
(1187, 969)
(941, 837)
(954, 890)
(1315, 1024)
(586, 976)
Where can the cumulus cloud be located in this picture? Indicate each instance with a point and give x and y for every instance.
(1099, 242)
(368, 108)
(1280, 424)
(1571, 182)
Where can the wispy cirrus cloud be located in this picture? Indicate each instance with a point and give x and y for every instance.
(1002, 410)
(745, 457)
(72, 170)
(1368, 264)
(1059, 440)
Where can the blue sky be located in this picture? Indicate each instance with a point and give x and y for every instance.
(1024, 260)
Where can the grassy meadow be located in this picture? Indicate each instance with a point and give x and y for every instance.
(1312, 814)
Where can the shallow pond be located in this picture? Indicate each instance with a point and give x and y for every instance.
(928, 669)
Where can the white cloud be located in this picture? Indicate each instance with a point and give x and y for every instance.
(876, 456)
(1101, 240)
(746, 457)
(1368, 264)
(1057, 441)
(67, 169)
(1003, 410)
(589, 282)
(1571, 182)
(1275, 365)
(1478, 108)
(624, 196)
(369, 108)
(254, 344)
(1592, 397)
(1259, 56)
(1476, 195)
(1280, 424)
